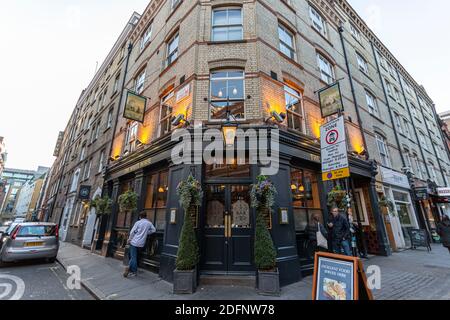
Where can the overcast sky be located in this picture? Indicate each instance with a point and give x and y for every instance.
(49, 50)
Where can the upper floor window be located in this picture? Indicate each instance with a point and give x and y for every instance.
(423, 140)
(227, 25)
(131, 137)
(287, 45)
(116, 83)
(432, 171)
(355, 32)
(362, 64)
(406, 128)
(383, 150)
(140, 83)
(109, 119)
(408, 161)
(74, 184)
(417, 163)
(317, 21)
(167, 104)
(172, 49)
(175, 3)
(413, 109)
(294, 109)
(146, 36)
(101, 162)
(371, 103)
(83, 152)
(227, 94)
(326, 69)
(398, 122)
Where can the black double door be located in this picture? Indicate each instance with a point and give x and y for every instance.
(228, 220)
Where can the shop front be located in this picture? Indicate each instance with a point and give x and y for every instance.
(401, 217)
(442, 201)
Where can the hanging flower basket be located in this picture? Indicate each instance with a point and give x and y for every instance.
(337, 197)
(102, 205)
(128, 201)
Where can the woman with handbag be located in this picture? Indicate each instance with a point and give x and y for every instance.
(317, 234)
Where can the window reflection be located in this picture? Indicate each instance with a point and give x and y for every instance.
(156, 198)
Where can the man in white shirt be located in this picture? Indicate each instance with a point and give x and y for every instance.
(138, 236)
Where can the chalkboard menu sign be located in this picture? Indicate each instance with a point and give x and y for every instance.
(419, 238)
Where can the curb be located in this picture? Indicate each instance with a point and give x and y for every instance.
(89, 288)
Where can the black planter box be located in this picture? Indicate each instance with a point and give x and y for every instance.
(269, 283)
(184, 282)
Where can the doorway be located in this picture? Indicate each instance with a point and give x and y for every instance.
(228, 220)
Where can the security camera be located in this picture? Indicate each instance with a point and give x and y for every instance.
(279, 117)
(177, 120)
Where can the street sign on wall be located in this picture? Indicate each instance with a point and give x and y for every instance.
(333, 144)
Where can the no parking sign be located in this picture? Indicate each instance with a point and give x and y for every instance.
(334, 155)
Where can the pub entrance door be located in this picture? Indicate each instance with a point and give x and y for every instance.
(228, 220)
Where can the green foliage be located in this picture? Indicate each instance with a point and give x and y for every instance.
(188, 252)
(263, 193)
(190, 192)
(337, 197)
(385, 203)
(128, 201)
(265, 253)
(263, 198)
(102, 205)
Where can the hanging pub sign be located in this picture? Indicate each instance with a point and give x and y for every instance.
(330, 99)
(84, 193)
(338, 277)
(135, 107)
(333, 145)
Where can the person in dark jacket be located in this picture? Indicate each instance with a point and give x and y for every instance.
(311, 231)
(443, 230)
(340, 233)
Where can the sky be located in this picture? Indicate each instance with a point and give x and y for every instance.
(49, 50)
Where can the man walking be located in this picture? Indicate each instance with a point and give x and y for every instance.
(138, 236)
(340, 233)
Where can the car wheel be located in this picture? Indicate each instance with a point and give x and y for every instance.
(51, 260)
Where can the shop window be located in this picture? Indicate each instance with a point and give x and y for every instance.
(123, 217)
(156, 198)
(238, 169)
(305, 197)
(294, 109)
(227, 95)
(227, 25)
(167, 105)
(359, 207)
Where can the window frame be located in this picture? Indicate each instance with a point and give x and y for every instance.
(373, 109)
(172, 56)
(215, 26)
(292, 49)
(318, 22)
(330, 78)
(385, 157)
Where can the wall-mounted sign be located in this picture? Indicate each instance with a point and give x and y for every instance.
(135, 107)
(333, 144)
(422, 193)
(284, 216)
(338, 277)
(183, 93)
(330, 100)
(84, 193)
(443, 192)
(173, 216)
(394, 178)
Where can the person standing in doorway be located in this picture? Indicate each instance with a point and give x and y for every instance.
(443, 230)
(340, 233)
(138, 236)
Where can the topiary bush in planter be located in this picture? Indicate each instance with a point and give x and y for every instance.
(188, 256)
(263, 198)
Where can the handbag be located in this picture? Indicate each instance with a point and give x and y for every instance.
(321, 241)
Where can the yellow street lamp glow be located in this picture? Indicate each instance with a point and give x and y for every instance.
(229, 133)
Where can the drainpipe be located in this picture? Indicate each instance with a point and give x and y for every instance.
(385, 248)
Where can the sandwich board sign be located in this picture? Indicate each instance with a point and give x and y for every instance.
(333, 145)
(339, 277)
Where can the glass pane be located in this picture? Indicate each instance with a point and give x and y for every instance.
(300, 219)
(237, 109)
(403, 214)
(220, 34)
(234, 16)
(236, 89)
(218, 89)
(285, 37)
(215, 207)
(218, 111)
(160, 220)
(240, 207)
(235, 33)
(216, 75)
(400, 196)
(150, 191)
(220, 17)
(235, 74)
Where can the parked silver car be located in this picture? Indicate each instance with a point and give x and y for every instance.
(29, 240)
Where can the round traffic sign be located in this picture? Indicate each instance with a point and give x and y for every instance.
(332, 137)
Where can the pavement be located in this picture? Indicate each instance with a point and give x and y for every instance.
(38, 280)
(407, 275)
